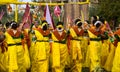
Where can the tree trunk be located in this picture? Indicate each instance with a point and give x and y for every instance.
(85, 11)
(76, 10)
(67, 14)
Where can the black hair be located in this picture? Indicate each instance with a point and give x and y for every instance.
(95, 17)
(77, 20)
(59, 23)
(98, 25)
(0, 22)
(44, 21)
(7, 24)
(102, 19)
(14, 25)
(94, 21)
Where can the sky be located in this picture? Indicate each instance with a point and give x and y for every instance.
(25, 0)
(13, 6)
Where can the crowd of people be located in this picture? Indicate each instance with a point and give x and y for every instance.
(41, 49)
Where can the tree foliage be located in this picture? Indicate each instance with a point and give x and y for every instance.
(109, 9)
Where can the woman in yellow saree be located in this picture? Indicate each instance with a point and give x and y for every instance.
(59, 49)
(95, 46)
(76, 33)
(16, 46)
(40, 48)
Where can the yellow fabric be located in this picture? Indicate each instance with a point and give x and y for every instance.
(84, 50)
(104, 52)
(60, 26)
(77, 67)
(73, 34)
(3, 60)
(12, 52)
(91, 35)
(59, 55)
(32, 50)
(116, 61)
(79, 22)
(76, 53)
(109, 62)
(26, 54)
(55, 53)
(20, 56)
(76, 50)
(95, 52)
(87, 61)
(39, 53)
(39, 47)
(26, 57)
(16, 53)
(44, 24)
(40, 66)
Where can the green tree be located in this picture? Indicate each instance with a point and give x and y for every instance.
(110, 10)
